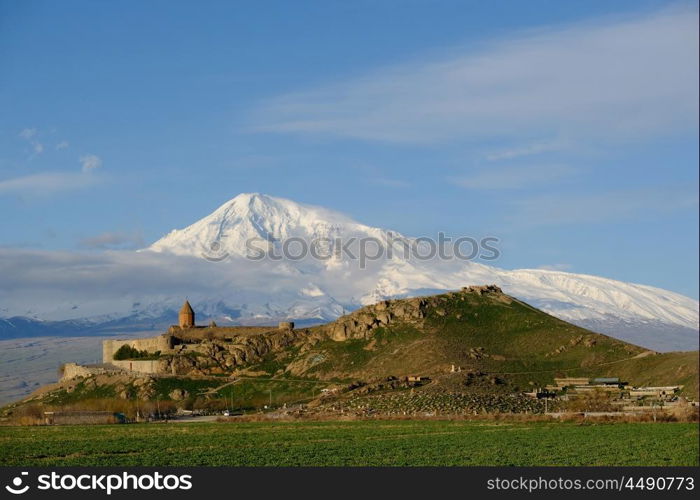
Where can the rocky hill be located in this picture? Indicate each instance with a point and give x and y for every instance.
(477, 343)
(478, 330)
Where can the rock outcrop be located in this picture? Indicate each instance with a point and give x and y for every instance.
(224, 356)
(361, 323)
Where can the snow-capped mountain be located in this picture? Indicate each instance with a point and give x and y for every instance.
(608, 305)
(251, 260)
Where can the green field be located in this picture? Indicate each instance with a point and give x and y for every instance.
(359, 443)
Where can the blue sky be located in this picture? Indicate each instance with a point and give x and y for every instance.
(566, 129)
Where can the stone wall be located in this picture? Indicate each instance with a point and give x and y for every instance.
(216, 333)
(73, 370)
(141, 366)
(160, 343)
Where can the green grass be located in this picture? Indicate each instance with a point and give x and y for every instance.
(250, 394)
(361, 443)
(165, 385)
(522, 345)
(80, 393)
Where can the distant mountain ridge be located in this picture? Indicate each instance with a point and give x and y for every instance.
(224, 285)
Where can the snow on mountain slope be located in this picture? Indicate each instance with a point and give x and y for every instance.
(257, 216)
(208, 263)
(578, 298)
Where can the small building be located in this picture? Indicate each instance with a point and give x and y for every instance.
(656, 392)
(562, 382)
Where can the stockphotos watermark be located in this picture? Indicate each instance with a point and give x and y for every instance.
(103, 483)
(362, 250)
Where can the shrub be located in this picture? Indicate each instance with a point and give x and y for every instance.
(128, 352)
(31, 414)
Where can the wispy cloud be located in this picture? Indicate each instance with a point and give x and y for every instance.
(114, 240)
(29, 134)
(526, 150)
(612, 206)
(90, 162)
(62, 145)
(46, 183)
(616, 78)
(513, 177)
(109, 281)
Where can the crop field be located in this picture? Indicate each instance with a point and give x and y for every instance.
(357, 443)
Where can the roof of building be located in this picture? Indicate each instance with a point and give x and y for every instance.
(186, 308)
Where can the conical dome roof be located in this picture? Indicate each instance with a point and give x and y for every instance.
(186, 308)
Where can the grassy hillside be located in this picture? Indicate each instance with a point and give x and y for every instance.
(661, 369)
(490, 333)
(498, 344)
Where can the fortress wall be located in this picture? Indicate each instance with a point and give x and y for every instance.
(200, 333)
(152, 344)
(73, 370)
(141, 366)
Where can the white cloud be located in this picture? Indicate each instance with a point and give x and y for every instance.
(114, 240)
(46, 183)
(527, 150)
(62, 145)
(102, 282)
(27, 133)
(519, 177)
(90, 162)
(622, 78)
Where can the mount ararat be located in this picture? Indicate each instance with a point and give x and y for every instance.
(208, 262)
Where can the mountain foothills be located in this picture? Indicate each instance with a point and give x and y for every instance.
(209, 262)
(473, 350)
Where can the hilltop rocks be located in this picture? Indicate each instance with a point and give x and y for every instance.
(483, 290)
(221, 356)
(361, 323)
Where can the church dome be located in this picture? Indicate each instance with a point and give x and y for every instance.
(186, 316)
(186, 308)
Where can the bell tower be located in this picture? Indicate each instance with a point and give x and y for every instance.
(186, 316)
